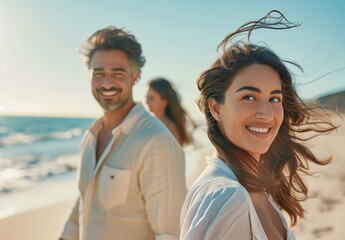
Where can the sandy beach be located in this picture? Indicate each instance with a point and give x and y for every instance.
(39, 212)
(326, 207)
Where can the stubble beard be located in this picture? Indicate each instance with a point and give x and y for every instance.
(111, 105)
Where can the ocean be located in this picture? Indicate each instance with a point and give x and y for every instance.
(34, 149)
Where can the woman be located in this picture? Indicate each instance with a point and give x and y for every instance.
(258, 125)
(163, 101)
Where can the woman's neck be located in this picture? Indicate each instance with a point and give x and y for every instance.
(162, 116)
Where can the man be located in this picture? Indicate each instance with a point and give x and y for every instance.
(131, 178)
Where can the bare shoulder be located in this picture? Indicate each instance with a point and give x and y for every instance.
(173, 129)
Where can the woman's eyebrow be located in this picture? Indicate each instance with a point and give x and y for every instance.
(278, 91)
(255, 89)
(249, 88)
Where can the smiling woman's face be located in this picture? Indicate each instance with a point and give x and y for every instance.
(252, 111)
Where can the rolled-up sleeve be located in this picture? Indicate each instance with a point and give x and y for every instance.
(163, 184)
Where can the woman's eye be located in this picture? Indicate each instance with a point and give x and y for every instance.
(249, 98)
(276, 99)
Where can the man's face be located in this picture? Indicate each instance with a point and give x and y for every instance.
(112, 79)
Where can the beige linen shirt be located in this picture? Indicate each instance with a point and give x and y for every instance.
(137, 188)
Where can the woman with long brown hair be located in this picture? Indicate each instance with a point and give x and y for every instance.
(164, 102)
(259, 127)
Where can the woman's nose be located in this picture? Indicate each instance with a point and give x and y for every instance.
(265, 111)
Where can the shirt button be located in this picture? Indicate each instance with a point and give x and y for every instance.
(112, 176)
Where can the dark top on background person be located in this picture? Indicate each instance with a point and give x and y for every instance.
(259, 127)
(131, 175)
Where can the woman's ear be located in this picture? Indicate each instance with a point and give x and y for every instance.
(214, 107)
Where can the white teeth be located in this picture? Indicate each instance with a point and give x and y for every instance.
(258, 130)
(109, 93)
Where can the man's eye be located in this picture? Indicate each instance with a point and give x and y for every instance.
(97, 75)
(117, 75)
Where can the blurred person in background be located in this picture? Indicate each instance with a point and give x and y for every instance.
(163, 101)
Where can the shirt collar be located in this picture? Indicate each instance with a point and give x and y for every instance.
(131, 119)
(126, 125)
(220, 164)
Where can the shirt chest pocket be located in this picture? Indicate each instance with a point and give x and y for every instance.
(113, 186)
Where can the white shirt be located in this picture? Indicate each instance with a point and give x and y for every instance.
(217, 206)
(137, 188)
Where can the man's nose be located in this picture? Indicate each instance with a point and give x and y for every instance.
(107, 81)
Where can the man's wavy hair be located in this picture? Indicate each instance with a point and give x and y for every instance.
(280, 168)
(112, 38)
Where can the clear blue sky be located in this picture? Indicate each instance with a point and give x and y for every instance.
(41, 72)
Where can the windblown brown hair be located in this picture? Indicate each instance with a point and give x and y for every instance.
(280, 168)
(112, 38)
(174, 109)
